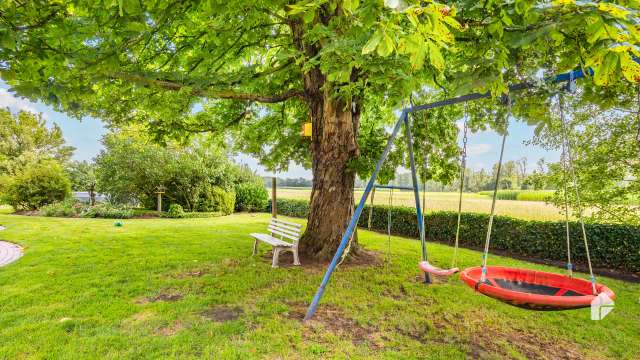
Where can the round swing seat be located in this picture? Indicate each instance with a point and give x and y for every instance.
(534, 290)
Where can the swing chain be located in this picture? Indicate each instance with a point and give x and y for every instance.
(463, 165)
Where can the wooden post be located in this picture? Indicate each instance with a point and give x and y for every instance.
(274, 204)
(160, 190)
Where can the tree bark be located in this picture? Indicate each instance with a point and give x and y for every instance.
(92, 195)
(334, 145)
(335, 126)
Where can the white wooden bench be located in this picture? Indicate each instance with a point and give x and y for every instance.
(283, 229)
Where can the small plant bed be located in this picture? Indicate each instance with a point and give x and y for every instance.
(189, 288)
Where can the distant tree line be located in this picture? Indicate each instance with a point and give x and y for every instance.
(514, 176)
(288, 182)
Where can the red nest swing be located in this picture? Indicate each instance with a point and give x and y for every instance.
(531, 289)
(535, 290)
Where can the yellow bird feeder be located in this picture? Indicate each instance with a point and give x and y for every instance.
(306, 129)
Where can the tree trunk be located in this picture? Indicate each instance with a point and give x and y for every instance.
(333, 145)
(92, 195)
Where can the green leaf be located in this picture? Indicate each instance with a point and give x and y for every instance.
(596, 31)
(309, 16)
(435, 56)
(604, 72)
(351, 5)
(373, 42)
(496, 28)
(385, 48)
(630, 68)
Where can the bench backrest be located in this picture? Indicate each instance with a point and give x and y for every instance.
(285, 229)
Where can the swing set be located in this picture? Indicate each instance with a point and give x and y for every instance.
(530, 289)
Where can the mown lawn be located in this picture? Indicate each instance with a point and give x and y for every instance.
(190, 289)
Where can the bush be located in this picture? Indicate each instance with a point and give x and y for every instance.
(74, 208)
(108, 211)
(202, 215)
(251, 196)
(612, 246)
(66, 208)
(42, 183)
(175, 211)
(217, 199)
(290, 207)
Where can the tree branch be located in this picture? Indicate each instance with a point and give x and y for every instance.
(215, 94)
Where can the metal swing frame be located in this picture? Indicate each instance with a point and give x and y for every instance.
(569, 77)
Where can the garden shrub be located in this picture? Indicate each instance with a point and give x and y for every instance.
(41, 183)
(66, 208)
(108, 211)
(217, 199)
(175, 211)
(612, 246)
(251, 196)
(290, 207)
(201, 215)
(74, 208)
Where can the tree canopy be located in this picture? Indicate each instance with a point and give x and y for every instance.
(24, 139)
(206, 66)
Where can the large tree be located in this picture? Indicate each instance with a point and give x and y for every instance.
(259, 69)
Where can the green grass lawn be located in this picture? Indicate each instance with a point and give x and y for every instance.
(160, 288)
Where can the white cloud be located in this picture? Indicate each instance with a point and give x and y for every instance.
(479, 149)
(14, 103)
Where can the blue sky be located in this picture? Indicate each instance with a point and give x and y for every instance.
(85, 136)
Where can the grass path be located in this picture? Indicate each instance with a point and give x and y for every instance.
(437, 201)
(189, 288)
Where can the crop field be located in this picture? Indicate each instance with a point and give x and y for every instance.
(439, 201)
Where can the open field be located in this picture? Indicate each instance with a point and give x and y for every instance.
(189, 288)
(437, 201)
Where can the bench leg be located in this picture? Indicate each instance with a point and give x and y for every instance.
(255, 247)
(296, 260)
(276, 255)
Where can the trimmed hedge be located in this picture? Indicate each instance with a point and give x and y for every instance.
(612, 246)
(251, 196)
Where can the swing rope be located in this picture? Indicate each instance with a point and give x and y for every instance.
(565, 180)
(577, 192)
(485, 254)
(463, 165)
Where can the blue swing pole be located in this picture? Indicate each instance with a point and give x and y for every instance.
(354, 220)
(414, 178)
